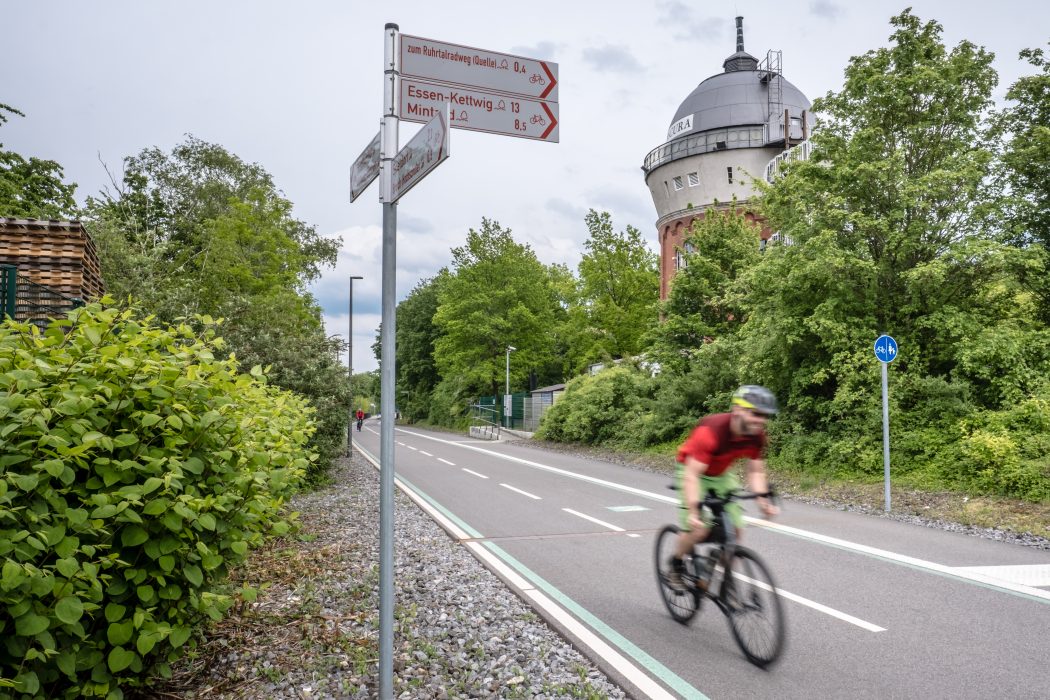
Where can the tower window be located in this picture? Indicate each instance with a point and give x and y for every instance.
(677, 182)
(729, 172)
(694, 179)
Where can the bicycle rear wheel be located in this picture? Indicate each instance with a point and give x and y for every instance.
(750, 599)
(681, 603)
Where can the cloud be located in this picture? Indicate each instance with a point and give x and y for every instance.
(688, 26)
(825, 9)
(613, 59)
(572, 212)
(544, 50)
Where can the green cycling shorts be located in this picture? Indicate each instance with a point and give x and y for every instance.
(720, 485)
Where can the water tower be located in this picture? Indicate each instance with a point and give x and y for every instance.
(724, 134)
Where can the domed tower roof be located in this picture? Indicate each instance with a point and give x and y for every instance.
(742, 95)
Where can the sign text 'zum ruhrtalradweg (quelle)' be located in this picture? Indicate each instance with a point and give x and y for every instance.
(486, 91)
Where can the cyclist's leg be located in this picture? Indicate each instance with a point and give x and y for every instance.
(688, 538)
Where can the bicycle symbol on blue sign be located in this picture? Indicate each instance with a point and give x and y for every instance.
(885, 348)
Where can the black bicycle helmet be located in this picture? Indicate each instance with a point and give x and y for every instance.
(757, 398)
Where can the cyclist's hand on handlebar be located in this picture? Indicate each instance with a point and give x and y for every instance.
(695, 523)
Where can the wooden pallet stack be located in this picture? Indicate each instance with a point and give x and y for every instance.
(59, 255)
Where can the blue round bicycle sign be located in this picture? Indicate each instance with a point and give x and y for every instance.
(886, 348)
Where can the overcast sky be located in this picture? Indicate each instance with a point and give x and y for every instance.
(297, 88)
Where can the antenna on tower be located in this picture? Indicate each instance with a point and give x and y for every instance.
(739, 33)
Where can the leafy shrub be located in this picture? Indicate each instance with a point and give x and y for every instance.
(597, 409)
(1006, 451)
(135, 468)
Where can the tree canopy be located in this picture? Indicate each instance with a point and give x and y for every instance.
(32, 188)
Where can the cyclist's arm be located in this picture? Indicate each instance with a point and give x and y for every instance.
(694, 469)
(756, 481)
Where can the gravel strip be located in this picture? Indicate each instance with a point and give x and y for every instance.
(459, 631)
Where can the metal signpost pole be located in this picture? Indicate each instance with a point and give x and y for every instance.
(886, 435)
(386, 408)
(886, 352)
(350, 367)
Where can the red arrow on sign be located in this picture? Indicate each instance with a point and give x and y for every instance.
(554, 122)
(553, 81)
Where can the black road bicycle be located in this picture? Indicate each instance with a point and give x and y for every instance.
(744, 590)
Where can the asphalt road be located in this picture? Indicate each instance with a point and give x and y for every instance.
(875, 608)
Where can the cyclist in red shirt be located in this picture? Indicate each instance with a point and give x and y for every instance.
(717, 441)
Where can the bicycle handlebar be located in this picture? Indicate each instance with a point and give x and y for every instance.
(710, 499)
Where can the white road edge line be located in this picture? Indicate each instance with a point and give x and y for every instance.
(816, 537)
(425, 453)
(626, 668)
(451, 464)
(523, 493)
(594, 520)
(480, 476)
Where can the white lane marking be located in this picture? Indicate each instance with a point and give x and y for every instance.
(412, 448)
(863, 624)
(523, 493)
(401, 443)
(633, 534)
(961, 573)
(626, 509)
(806, 534)
(627, 669)
(468, 471)
(594, 520)
(1022, 574)
(631, 672)
(425, 453)
(451, 464)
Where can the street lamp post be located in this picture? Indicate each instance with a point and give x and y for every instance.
(350, 365)
(510, 349)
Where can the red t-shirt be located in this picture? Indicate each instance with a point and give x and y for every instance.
(713, 444)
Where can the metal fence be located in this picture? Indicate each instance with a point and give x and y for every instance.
(26, 301)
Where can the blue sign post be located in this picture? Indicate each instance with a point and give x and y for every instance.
(886, 352)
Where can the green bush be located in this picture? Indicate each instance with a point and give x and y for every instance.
(135, 468)
(599, 409)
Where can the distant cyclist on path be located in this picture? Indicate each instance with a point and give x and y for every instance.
(704, 458)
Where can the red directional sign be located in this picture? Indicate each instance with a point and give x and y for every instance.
(479, 69)
(479, 110)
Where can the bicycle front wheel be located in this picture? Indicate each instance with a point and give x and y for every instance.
(683, 600)
(751, 602)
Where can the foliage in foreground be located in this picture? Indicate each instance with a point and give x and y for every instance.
(135, 468)
(200, 231)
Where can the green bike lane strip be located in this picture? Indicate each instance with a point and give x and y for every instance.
(597, 635)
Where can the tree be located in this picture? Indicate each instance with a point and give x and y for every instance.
(33, 188)
(886, 221)
(417, 373)
(619, 287)
(1025, 128)
(201, 232)
(496, 296)
(705, 299)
